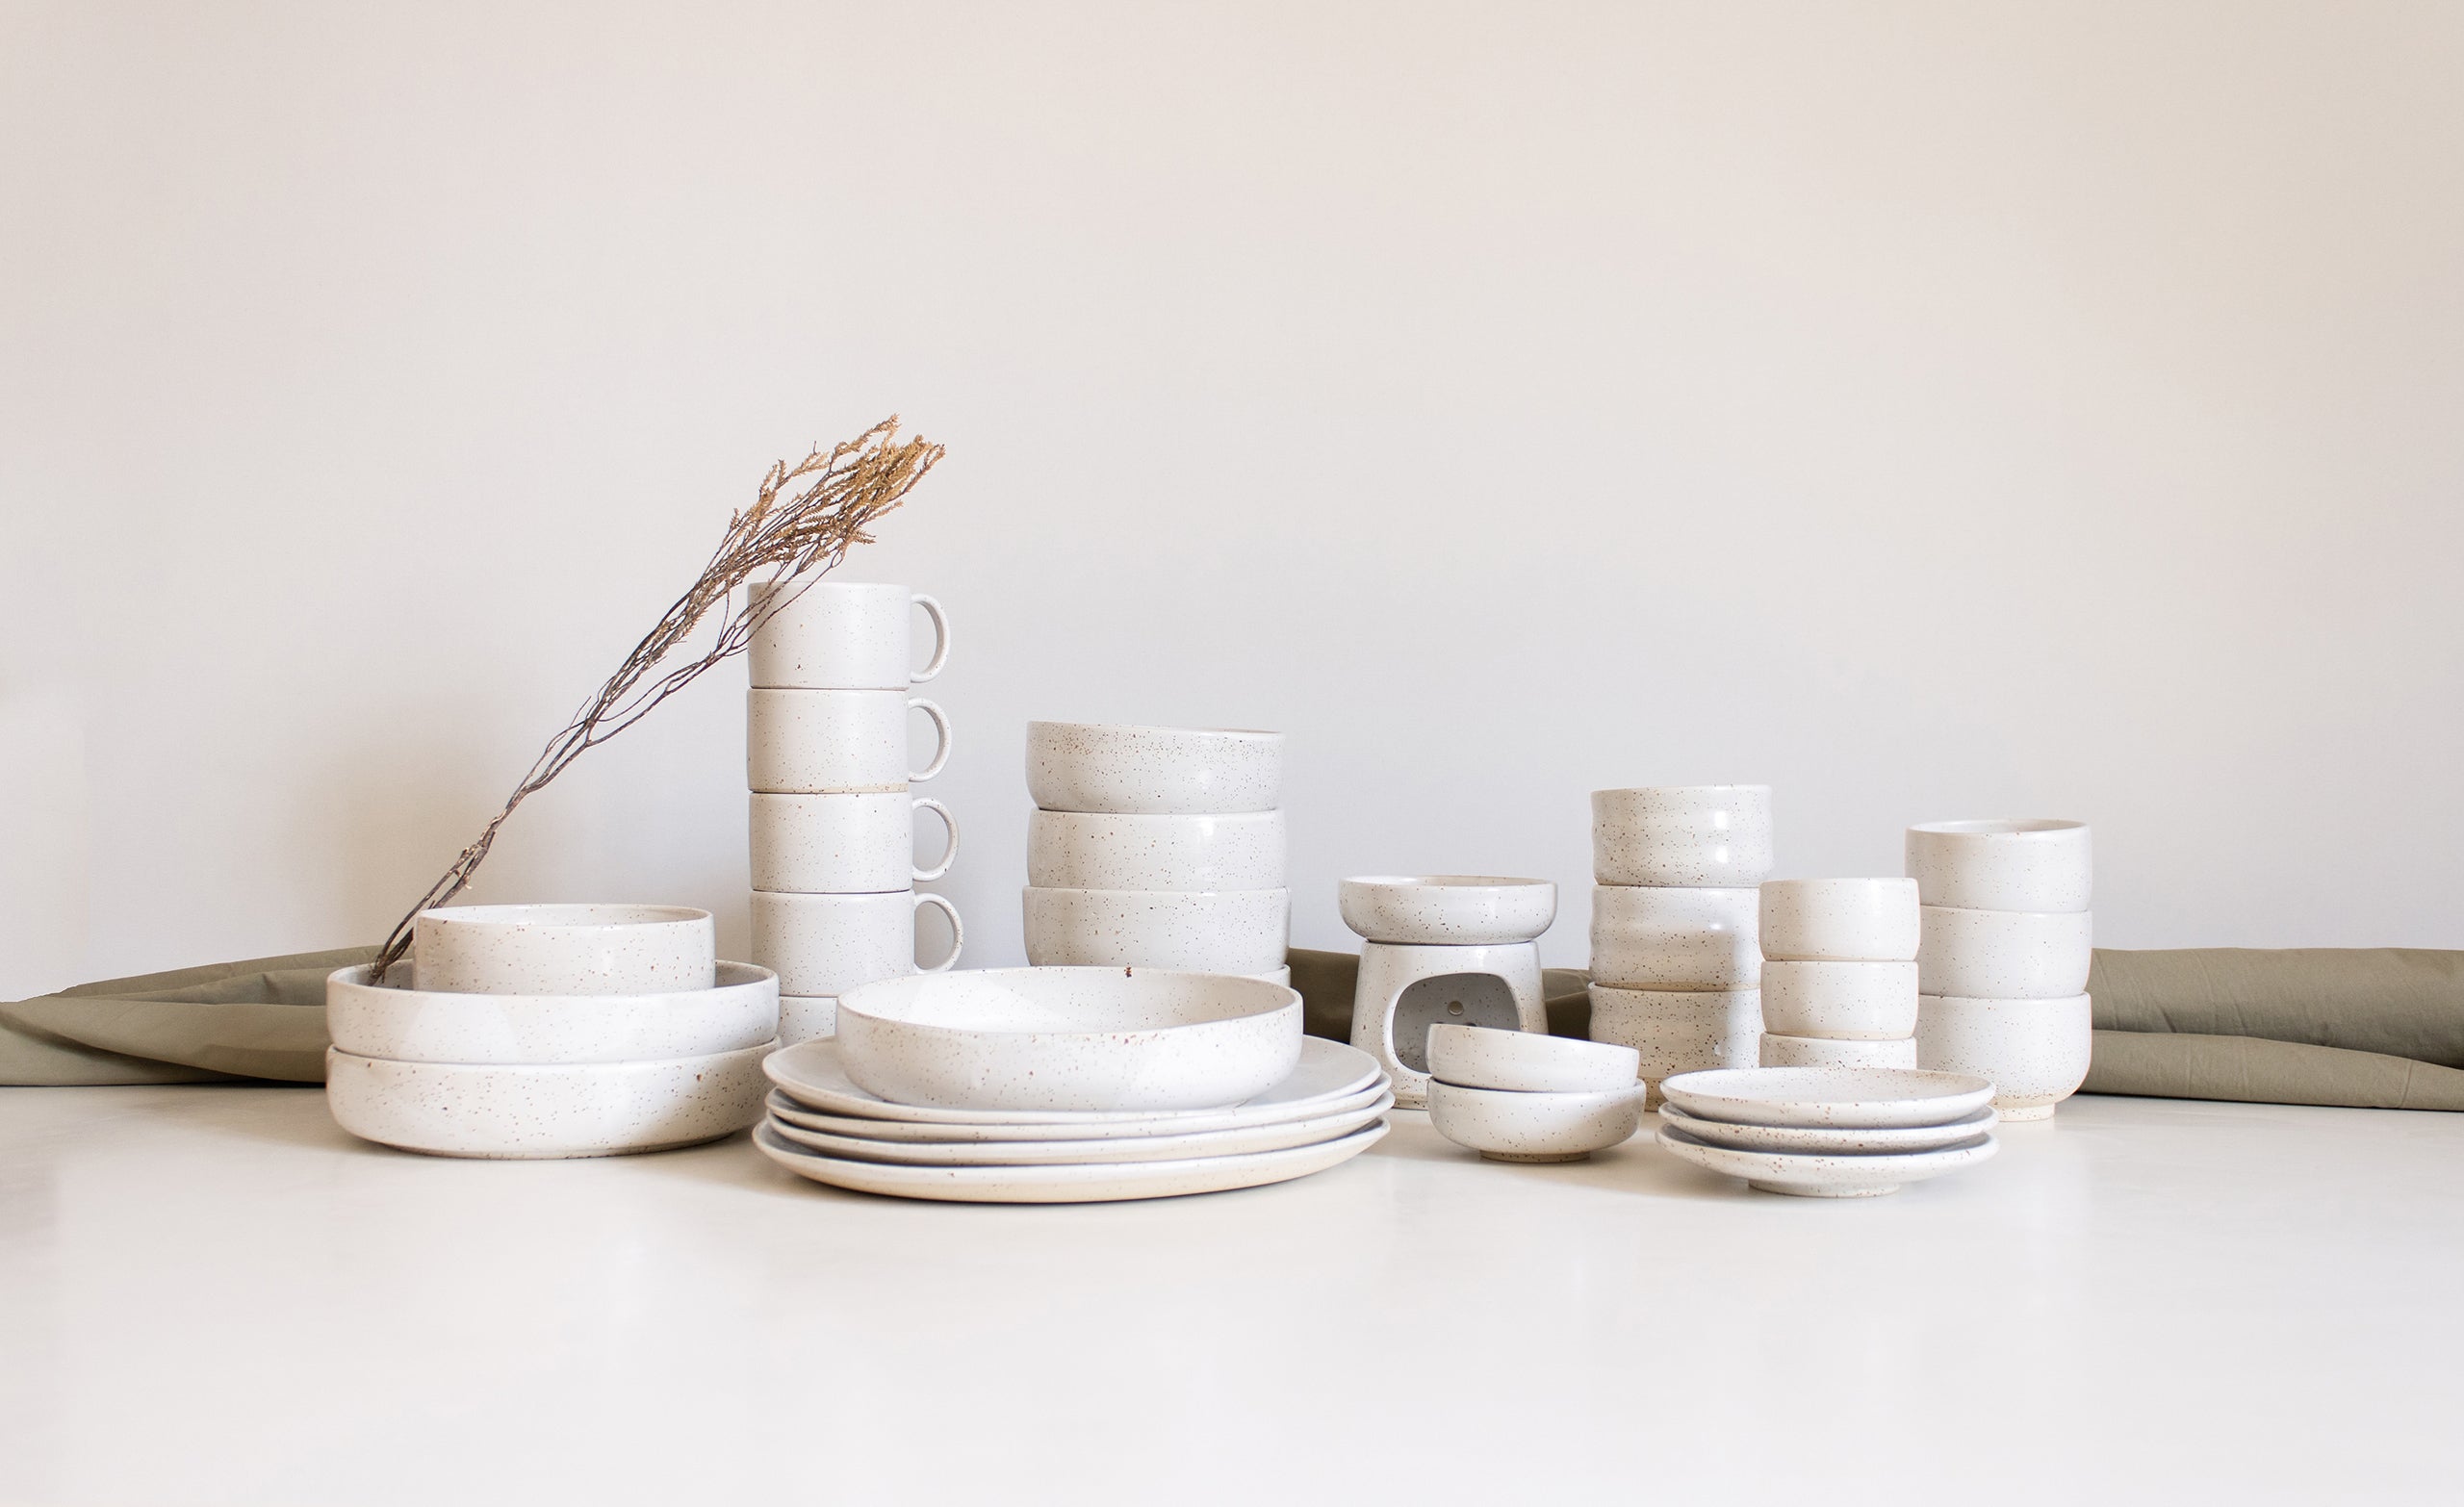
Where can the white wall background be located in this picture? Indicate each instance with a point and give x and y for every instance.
(1930, 410)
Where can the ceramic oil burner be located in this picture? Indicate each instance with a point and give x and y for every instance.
(1464, 952)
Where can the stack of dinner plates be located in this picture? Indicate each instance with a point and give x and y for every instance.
(1069, 1086)
(1829, 1131)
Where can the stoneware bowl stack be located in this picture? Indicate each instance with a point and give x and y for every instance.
(2003, 964)
(1829, 1131)
(1156, 848)
(832, 823)
(1069, 1086)
(1521, 1096)
(550, 1031)
(1840, 973)
(1675, 964)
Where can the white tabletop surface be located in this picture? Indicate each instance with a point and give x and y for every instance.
(210, 1294)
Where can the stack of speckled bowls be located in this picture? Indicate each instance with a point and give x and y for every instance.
(1840, 973)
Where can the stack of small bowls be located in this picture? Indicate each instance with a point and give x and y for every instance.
(550, 1031)
(1157, 848)
(1829, 1131)
(833, 826)
(1840, 973)
(1676, 965)
(2003, 966)
(1522, 1096)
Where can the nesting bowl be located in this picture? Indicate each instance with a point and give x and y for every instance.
(2035, 1051)
(1838, 920)
(391, 1021)
(1506, 1126)
(1699, 837)
(563, 949)
(1111, 850)
(2004, 863)
(1083, 766)
(2005, 955)
(1527, 1062)
(545, 1111)
(1236, 930)
(1446, 910)
(1675, 938)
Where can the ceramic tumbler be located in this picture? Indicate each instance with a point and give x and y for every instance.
(1680, 1031)
(843, 636)
(828, 944)
(1845, 1000)
(1693, 837)
(2005, 955)
(843, 844)
(836, 742)
(2007, 863)
(1839, 920)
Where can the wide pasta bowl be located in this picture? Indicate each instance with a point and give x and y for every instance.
(407, 1025)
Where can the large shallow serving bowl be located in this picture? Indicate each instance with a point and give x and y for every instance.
(1699, 837)
(1069, 1038)
(567, 1110)
(1230, 931)
(563, 950)
(1092, 766)
(1862, 1097)
(406, 1025)
(1108, 850)
(1446, 910)
(2005, 863)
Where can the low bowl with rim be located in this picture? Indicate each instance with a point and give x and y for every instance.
(397, 1023)
(1448, 909)
(563, 949)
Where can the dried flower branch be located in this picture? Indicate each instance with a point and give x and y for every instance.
(798, 537)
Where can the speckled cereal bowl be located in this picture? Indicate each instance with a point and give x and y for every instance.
(2035, 1051)
(1090, 766)
(1446, 910)
(1851, 1001)
(1698, 836)
(1785, 1051)
(2004, 863)
(568, 1110)
(2005, 955)
(1528, 1062)
(1505, 1126)
(563, 950)
(1839, 920)
(1069, 1038)
(1108, 850)
(1234, 930)
(1646, 938)
(407, 1025)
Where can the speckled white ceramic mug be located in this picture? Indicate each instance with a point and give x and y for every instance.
(1649, 937)
(1244, 931)
(1846, 1000)
(843, 844)
(2004, 863)
(843, 636)
(2005, 955)
(1092, 766)
(826, 742)
(2035, 1051)
(557, 948)
(1681, 1031)
(827, 944)
(1111, 850)
(1778, 1051)
(1694, 837)
(1839, 920)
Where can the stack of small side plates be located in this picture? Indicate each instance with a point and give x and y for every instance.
(1829, 1131)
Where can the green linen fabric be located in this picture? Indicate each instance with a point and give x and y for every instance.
(256, 1020)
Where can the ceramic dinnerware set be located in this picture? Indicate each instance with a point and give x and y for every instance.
(1829, 1131)
(2008, 941)
(1675, 963)
(550, 1031)
(1839, 973)
(1157, 848)
(1524, 1096)
(1058, 1084)
(833, 825)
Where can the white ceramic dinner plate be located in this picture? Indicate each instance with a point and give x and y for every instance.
(788, 1111)
(1834, 1139)
(1236, 1141)
(1806, 1175)
(1079, 1183)
(1864, 1098)
(812, 1074)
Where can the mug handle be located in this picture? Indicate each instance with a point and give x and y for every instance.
(941, 746)
(949, 824)
(957, 928)
(940, 639)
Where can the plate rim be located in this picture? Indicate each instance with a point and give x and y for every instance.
(1874, 1113)
(950, 1186)
(1981, 1122)
(1887, 1168)
(1349, 1119)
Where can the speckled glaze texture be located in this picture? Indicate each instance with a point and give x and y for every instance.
(806, 1017)
(1803, 1175)
(1245, 930)
(851, 844)
(1848, 1001)
(402, 1024)
(1832, 1141)
(2005, 955)
(570, 1109)
(1387, 969)
(1860, 1098)
(1842, 920)
(1081, 1183)
(1778, 1051)
(1446, 910)
(1527, 1062)
(844, 635)
(827, 742)
(1105, 850)
(1083, 766)
(533, 950)
(2035, 1051)
(2005, 863)
(1676, 1031)
(828, 944)
(1692, 836)
(1505, 1126)
(1069, 1038)
(1664, 938)
(1239, 1141)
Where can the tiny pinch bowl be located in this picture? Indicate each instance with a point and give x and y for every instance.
(1088, 766)
(565, 1110)
(587, 948)
(1506, 1126)
(740, 1011)
(1526, 1062)
(1446, 910)
(1069, 1038)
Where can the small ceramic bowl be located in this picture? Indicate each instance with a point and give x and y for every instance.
(1105, 849)
(409, 1025)
(565, 1110)
(1698, 836)
(1241, 931)
(1069, 1038)
(1842, 920)
(1680, 1031)
(1446, 910)
(1506, 1126)
(2006, 954)
(1646, 938)
(2035, 1051)
(2007, 863)
(1088, 766)
(1845, 1001)
(1526, 1062)
(592, 950)
(1778, 1051)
